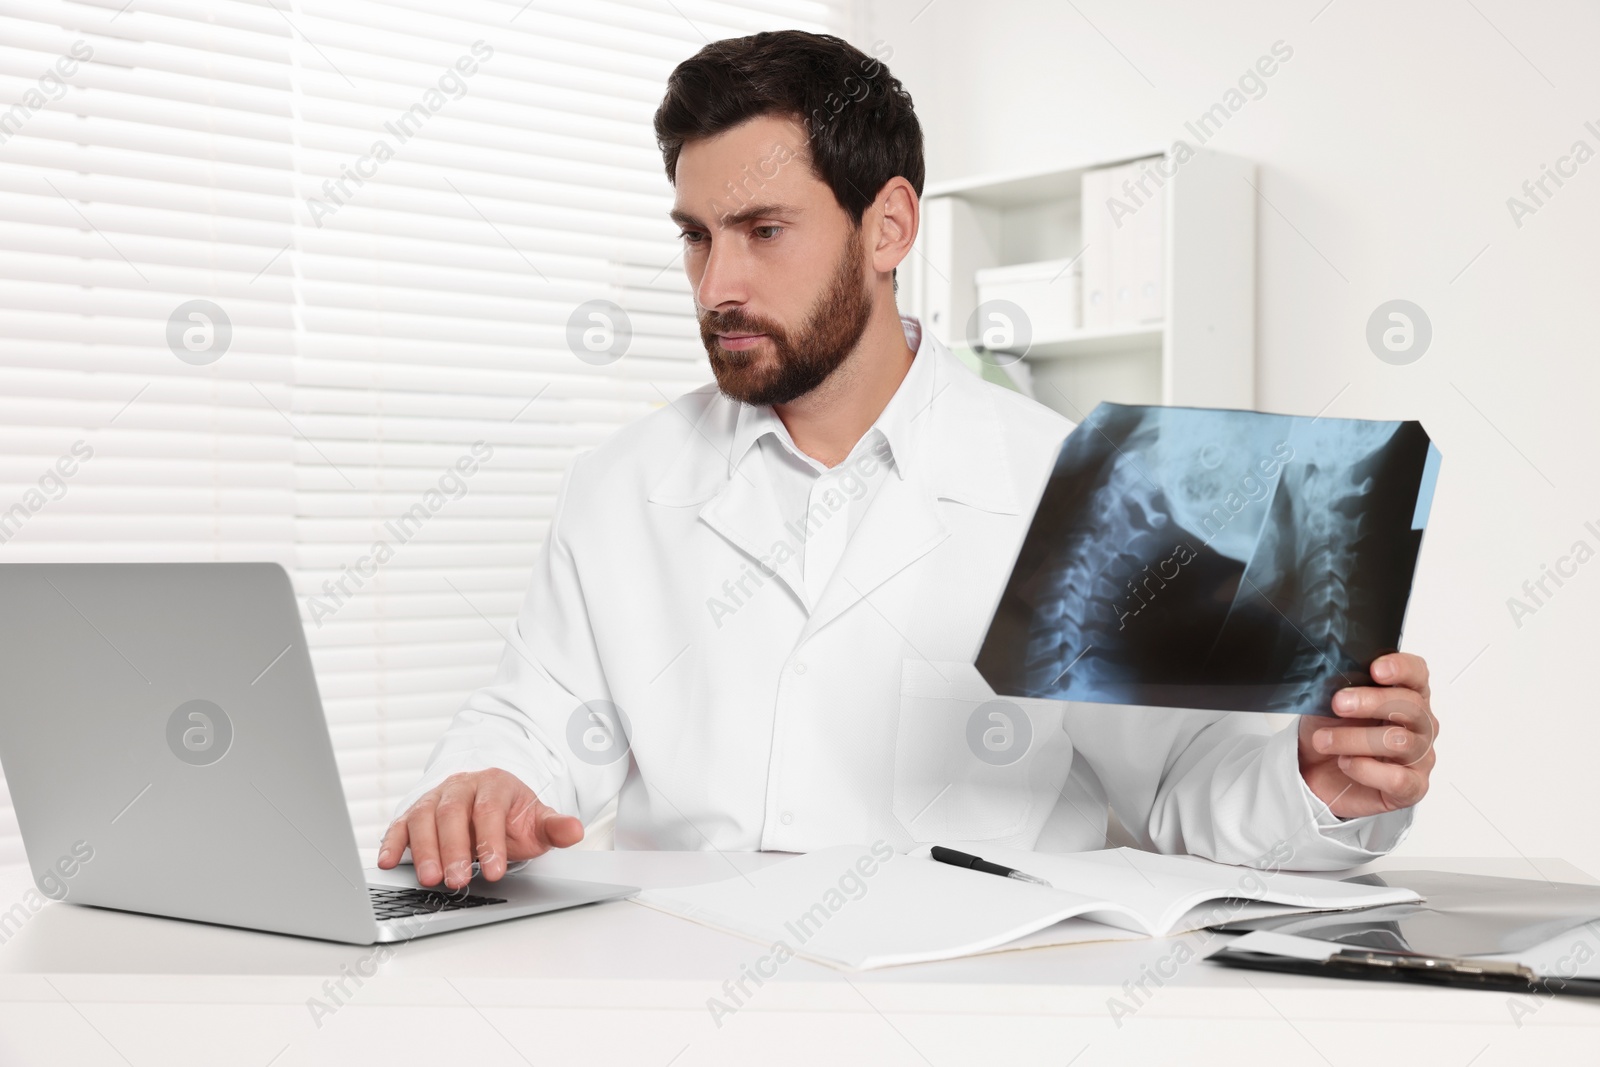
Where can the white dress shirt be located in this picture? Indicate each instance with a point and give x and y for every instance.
(820, 505)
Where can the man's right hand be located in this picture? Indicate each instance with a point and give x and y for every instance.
(490, 815)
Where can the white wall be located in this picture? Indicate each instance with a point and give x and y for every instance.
(1388, 146)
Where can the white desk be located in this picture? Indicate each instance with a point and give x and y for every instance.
(622, 984)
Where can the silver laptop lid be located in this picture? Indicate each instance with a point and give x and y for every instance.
(166, 750)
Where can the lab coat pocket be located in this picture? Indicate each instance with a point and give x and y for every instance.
(971, 766)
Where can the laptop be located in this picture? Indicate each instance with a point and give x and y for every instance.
(167, 753)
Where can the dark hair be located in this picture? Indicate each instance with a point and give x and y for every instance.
(859, 119)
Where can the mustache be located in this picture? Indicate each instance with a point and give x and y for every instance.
(732, 322)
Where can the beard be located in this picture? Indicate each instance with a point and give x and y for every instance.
(785, 366)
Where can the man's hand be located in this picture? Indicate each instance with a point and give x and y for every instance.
(487, 814)
(1379, 757)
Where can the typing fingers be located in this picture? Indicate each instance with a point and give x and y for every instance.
(393, 845)
(424, 836)
(489, 826)
(453, 816)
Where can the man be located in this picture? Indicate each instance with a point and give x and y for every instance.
(735, 589)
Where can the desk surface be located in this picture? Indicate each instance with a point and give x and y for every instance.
(622, 983)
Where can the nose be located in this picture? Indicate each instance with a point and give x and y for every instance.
(722, 282)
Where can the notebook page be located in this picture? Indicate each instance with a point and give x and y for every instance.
(1081, 931)
(849, 907)
(1163, 893)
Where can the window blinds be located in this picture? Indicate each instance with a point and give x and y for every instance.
(292, 280)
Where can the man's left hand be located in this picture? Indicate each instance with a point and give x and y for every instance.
(1377, 755)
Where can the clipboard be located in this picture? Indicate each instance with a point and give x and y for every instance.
(1376, 966)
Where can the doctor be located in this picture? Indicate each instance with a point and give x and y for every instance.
(748, 600)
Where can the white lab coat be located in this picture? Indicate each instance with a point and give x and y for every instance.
(771, 728)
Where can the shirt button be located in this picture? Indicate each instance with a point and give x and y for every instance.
(788, 817)
(799, 668)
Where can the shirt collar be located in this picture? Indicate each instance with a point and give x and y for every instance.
(896, 423)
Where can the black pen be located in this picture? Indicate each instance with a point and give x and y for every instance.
(961, 859)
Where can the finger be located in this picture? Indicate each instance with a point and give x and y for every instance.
(1404, 706)
(562, 831)
(555, 830)
(523, 827)
(1382, 742)
(454, 816)
(539, 828)
(1401, 786)
(1403, 669)
(489, 826)
(422, 827)
(1399, 707)
(393, 845)
(1413, 712)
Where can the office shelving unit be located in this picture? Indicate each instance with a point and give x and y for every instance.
(1201, 353)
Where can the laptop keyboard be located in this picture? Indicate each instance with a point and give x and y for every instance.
(389, 902)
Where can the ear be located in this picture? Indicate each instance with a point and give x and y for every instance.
(892, 219)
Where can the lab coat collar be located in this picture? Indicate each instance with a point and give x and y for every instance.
(950, 436)
(895, 423)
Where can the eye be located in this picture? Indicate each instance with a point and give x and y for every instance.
(757, 231)
(689, 235)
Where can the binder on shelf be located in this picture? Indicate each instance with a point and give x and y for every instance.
(1096, 256)
(1139, 259)
(1124, 257)
(962, 238)
(1135, 217)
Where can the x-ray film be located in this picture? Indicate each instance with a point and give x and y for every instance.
(1224, 560)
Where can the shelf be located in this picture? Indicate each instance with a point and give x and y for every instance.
(1012, 188)
(1201, 353)
(1109, 341)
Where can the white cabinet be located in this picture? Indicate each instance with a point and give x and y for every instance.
(1185, 337)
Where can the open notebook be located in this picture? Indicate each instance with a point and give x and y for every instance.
(860, 907)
